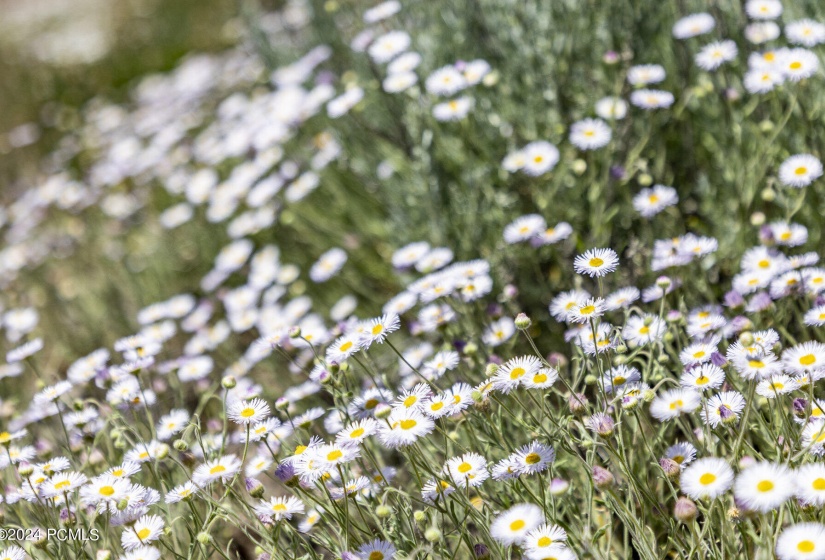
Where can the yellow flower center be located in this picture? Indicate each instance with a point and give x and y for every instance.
(587, 309)
(517, 525)
(107, 490)
(248, 412)
(765, 486)
(819, 484)
(409, 401)
(702, 380)
(376, 555)
(644, 330)
(217, 469)
(619, 380)
(532, 458)
(676, 404)
(805, 546)
(545, 541)
(465, 467)
(764, 263)
(517, 372)
(807, 359)
(346, 346)
(334, 455)
(796, 65)
(143, 533)
(408, 424)
(279, 507)
(370, 404)
(595, 262)
(62, 484)
(436, 406)
(707, 478)
(756, 364)
(356, 433)
(699, 354)
(539, 378)
(377, 329)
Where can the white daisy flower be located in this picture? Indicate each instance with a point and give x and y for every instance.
(805, 32)
(709, 477)
(802, 541)
(693, 25)
(596, 262)
(722, 408)
(763, 9)
(800, 170)
(649, 202)
(671, 404)
(147, 529)
(590, 134)
(511, 526)
(712, 56)
(469, 469)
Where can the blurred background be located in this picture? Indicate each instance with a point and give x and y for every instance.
(57, 54)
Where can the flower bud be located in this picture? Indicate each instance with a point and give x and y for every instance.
(490, 370)
(577, 403)
(382, 411)
(481, 551)
(671, 468)
(523, 322)
(103, 555)
(294, 332)
(254, 487)
(579, 166)
(229, 382)
(685, 510)
(557, 360)
(383, 510)
(204, 537)
(25, 470)
(433, 534)
(602, 478)
(163, 452)
(645, 180)
(471, 349)
(419, 516)
(281, 403)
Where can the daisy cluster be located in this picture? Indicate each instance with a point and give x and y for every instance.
(594, 370)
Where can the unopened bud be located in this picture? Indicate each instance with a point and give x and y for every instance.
(523, 322)
(254, 487)
(671, 468)
(25, 470)
(685, 510)
(281, 403)
(229, 382)
(383, 411)
(433, 534)
(491, 369)
(577, 403)
(419, 516)
(204, 538)
(602, 478)
(481, 551)
(103, 555)
(383, 511)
